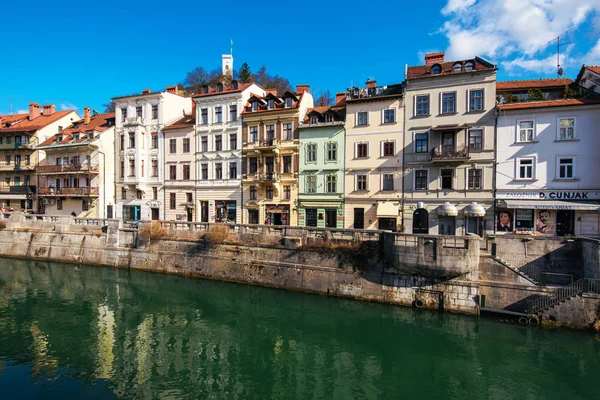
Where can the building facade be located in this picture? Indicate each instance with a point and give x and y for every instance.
(140, 152)
(270, 156)
(547, 154)
(373, 157)
(76, 175)
(19, 135)
(449, 146)
(321, 166)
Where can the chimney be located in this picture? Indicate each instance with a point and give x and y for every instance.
(172, 89)
(302, 88)
(371, 84)
(340, 97)
(34, 110)
(86, 115)
(146, 91)
(434, 58)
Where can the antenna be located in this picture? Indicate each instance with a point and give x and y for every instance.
(10, 110)
(231, 47)
(559, 70)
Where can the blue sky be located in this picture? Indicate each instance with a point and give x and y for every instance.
(75, 54)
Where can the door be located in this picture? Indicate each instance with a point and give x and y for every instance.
(189, 214)
(359, 218)
(155, 214)
(109, 211)
(447, 225)
(447, 143)
(474, 225)
(421, 221)
(204, 211)
(331, 218)
(565, 222)
(311, 217)
(276, 219)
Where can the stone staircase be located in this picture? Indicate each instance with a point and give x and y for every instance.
(531, 275)
(563, 294)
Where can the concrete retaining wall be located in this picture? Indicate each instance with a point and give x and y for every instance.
(590, 249)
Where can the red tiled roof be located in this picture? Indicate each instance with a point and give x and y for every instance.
(226, 89)
(185, 122)
(337, 109)
(263, 107)
(549, 103)
(98, 123)
(424, 71)
(21, 122)
(533, 83)
(595, 68)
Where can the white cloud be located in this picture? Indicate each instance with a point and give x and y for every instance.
(457, 5)
(22, 111)
(68, 106)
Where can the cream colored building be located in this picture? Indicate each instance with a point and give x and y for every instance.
(449, 146)
(373, 180)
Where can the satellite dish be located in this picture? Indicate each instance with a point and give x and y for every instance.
(560, 71)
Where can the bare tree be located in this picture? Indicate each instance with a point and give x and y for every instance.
(109, 107)
(325, 99)
(262, 77)
(196, 78)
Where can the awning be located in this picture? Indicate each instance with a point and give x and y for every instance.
(552, 205)
(474, 210)
(447, 210)
(387, 209)
(454, 127)
(320, 204)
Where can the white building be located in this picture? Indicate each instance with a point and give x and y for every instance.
(139, 149)
(219, 148)
(547, 156)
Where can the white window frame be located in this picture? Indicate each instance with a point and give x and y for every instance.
(382, 144)
(482, 177)
(306, 181)
(518, 168)
(270, 104)
(415, 179)
(357, 117)
(454, 178)
(482, 99)
(335, 180)
(558, 119)
(393, 109)
(216, 120)
(366, 182)
(288, 102)
(393, 189)
(415, 142)
(558, 165)
(327, 144)
(250, 134)
(356, 149)
(518, 127)
(482, 130)
(442, 103)
(255, 106)
(308, 151)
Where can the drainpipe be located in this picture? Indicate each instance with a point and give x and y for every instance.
(494, 167)
(162, 179)
(403, 147)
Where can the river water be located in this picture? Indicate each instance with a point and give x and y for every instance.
(91, 332)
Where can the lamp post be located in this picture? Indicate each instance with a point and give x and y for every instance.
(96, 148)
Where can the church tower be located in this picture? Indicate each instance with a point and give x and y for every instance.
(227, 65)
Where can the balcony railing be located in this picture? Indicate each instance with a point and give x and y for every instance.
(24, 189)
(18, 167)
(133, 121)
(449, 154)
(57, 169)
(80, 191)
(262, 177)
(267, 143)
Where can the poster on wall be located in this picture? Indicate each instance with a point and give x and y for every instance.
(546, 222)
(504, 221)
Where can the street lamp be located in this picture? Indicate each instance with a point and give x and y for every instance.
(96, 148)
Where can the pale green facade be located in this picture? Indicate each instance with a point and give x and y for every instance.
(321, 180)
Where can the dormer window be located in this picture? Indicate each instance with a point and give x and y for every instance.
(457, 67)
(271, 104)
(329, 117)
(59, 138)
(314, 119)
(76, 136)
(436, 69)
(219, 87)
(205, 89)
(288, 102)
(90, 135)
(255, 106)
(234, 85)
(469, 66)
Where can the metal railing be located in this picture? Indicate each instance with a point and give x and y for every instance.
(55, 169)
(80, 191)
(565, 293)
(445, 153)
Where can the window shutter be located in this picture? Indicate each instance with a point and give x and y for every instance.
(414, 105)
(355, 149)
(278, 130)
(381, 145)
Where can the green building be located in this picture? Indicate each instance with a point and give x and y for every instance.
(321, 166)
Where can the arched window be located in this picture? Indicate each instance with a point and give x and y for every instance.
(457, 67)
(219, 87)
(469, 66)
(234, 85)
(436, 69)
(205, 89)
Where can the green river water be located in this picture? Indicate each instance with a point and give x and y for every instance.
(88, 332)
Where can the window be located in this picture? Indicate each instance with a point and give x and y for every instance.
(329, 117)
(186, 145)
(253, 192)
(474, 181)
(218, 171)
(311, 152)
(139, 194)
(172, 172)
(436, 69)
(389, 116)
(253, 165)
(131, 140)
(154, 168)
(123, 114)
(270, 133)
(287, 192)
(218, 114)
(311, 184)
(204, 171)
(255, 106)
(204, 116)
(59, 204)
(361, 182)
(269, 193)
(233, 170)
(331, 151)
(233, 113)
(189, 197)
(422, 105)
(475, 136)
(287, 132)
(388, 149)
(122, 142)
(122, 169)
(457, 67)
(314, 119)
(154, 193)
(566, 168)
(362, 150)
(155, 111)
(142, 168)
(9, 139)
(421, 143)
(287, 164)
(526, 132)
(447, 176)
(204, 143)
(476, 100)
(154, 144)
(421, 179)
(271, 104)
(131, 167)
(233, 141)
(84, 205)
(220, 86)
(388, 181)
(138, 111)
(7, 159)
(253, 134)
(566, 129)
(469, 66)
(525, 168)
(123, 194)
(27, 160)
(218, 143)
(362, 118)
(172, 201)
(186, 172)
(172, 146)
(448, 103)
(288, 102)
(331, 183)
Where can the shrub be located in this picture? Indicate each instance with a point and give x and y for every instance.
(217, 234)
(153, 231)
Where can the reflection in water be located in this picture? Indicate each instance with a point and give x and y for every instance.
(96, 332)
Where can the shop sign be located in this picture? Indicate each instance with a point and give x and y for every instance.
(551, 195)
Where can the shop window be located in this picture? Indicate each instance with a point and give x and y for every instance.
(524, 220)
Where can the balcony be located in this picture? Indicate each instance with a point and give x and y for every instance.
(449, 154)
(266, 144)
(68, 192)
(133, 121)
(18, 167)
(262, 177)
(25, 189)
(65, 169)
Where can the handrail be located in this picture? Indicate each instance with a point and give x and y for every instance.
(574, 289)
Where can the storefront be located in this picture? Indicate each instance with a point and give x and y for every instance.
(387, 215)
(474, 218)
(131, 213)
(277, 214)
(447, 214)
(321, 214)
(225, 211)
